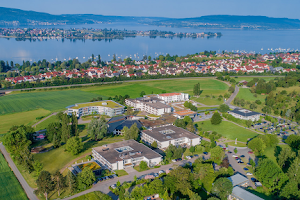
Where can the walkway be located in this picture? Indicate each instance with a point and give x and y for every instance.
(28, 190)
(44, 119)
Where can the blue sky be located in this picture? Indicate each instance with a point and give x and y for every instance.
(162, 8)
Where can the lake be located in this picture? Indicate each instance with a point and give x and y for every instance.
(258, 41)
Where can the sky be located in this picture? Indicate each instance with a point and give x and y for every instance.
(162, 8)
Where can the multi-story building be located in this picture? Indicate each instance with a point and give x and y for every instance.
(152, 105)
(107, 107)
(128, 153)
(170, 134)
(173, 97)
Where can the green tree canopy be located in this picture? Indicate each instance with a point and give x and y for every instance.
(222, 188)
(97, 129)
(44, 184)
(216, 118)
(74, 145)
(257, 145)
(86, 178)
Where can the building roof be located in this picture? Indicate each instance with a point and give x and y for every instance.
(244, 112)
(120, 122)
(238, 179)
(136, 150)
(185, 112)
(169, 132)
(169, 94)
(107, 103)
(157, 104)
(244, 194)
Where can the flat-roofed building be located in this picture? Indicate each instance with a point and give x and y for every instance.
(170, 134)
(239, 193)
(181, 114)
(173, 97)
(107, 107)
(151, 105)
(128, 153)
(245, 114)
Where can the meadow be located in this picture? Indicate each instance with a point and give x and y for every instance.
(26, 118)
(10, 188)
(228, 130)
(245, 93)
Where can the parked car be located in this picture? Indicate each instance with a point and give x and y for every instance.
(114, 186)
(179, 159)
(250, 152)
(249, 174)
(100, 179)
(205, 153)
(242, 156)
(229, 151)
(170, 169)
(196, 155)
(234, 156)
(161, 171)
(245, 168)
(240, 162)
(237, 158)
(253, 179)
(174, 160)
(111, 177)
(188, 157)
(155, 174)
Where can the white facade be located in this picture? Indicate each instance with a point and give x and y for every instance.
(173, 97)
(151, 107)
(245, 114)
(96, 109)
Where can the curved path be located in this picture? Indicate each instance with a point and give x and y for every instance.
(28, 190)
(44, 119)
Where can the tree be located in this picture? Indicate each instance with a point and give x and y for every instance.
(74, 145)
(118, 183)
(248, 123)
(44, 184)
(235, 150)
(294, 171)
(143, 165)
(222, 188)
(86, 178)
(154, 145)
(71, 181)
(142, 93)
(169, 184)
(290, 191)
(257, 145)
(182, 176)
(59, 182)
(285, 157)
(196, 89)
(269, 174)
(156, 186)
(252, 163)
(216, 118)
(224, 108)
(65, 129)
(97, 129)
(217, 154)
(74, 125)
(192, 149)
(38, 167)
(190, 127)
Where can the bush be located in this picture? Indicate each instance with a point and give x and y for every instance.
(258, 102)
(216, 119)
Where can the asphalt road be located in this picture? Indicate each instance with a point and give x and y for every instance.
(233, 95)
(26, 187)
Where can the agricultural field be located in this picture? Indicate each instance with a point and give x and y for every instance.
(26, 118)
(245, 78)
(10, 188)
(228, 130)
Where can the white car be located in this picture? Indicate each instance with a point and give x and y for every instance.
(161, 171)
(173, 160)
(249, 174)
(188, 157)
(234, 156)
(114, 186)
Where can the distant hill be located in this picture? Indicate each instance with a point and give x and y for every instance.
(11, 16)
(232, 21)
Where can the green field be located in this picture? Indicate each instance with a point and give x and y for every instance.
(25, 118)
(44, 124)
(228, 130)
(53, 100)
(245, 78)
(97, 195)
(10, 188)
(244, 93)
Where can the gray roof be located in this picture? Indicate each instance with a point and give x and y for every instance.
(120, 122)
(241, 193)
(245, 114)
(173, 133)
(238, 179)
(138, 150)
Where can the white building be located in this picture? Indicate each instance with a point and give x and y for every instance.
(245, 114)
(128, 153)
(150, 105)
(173, 97)
(107, 107)
(170, 134)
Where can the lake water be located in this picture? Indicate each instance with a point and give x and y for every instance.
(258, 41)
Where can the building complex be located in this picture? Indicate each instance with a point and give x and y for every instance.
(109, 108)
(170, 134)
(156, 104)
(128, 153)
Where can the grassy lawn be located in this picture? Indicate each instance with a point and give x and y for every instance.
(198, 150)
(10, 187)
(270, 152)
(97, 195)
(290, 89)
(137, 168)
(251, 78)
(239, 144)
(7, 121)
(56, 159)
(51, 100)
(244, 93)
(44, 124)
(228, 130)
(121, 173)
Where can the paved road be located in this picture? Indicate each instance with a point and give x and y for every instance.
(233, 95)
(26, 187)
(44, 119)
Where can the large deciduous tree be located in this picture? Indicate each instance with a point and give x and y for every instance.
(86, 178)
(74, 145)
(257, 145)
(44, 183)
(222, 188)
(216, 118)
(97, 129)
(59, 182)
